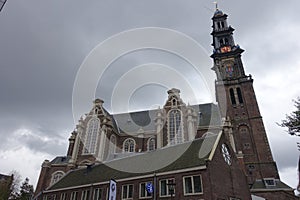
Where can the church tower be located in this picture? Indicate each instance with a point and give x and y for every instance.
(236, 98)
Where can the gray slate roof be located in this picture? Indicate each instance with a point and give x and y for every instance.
(189, 155)
(136, 122)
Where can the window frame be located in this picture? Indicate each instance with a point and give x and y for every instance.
(151, 140)
(175, 127)
(91, 136)
(127, 192)
(131, 142)
(193, 185)
(85, 194)
(145, 190)
(74, 195)
(63, 196)
(167, 187)
(99, 193)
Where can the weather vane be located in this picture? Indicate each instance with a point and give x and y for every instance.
(215, 2)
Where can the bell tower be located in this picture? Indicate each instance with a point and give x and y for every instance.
(236, 98)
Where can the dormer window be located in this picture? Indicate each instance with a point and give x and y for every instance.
(269, 182)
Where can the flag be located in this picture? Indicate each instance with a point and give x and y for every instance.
(112, 190)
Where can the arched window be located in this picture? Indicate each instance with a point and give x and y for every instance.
(151, 144)
(239, 94)
(112, 144)
(222, 24)
(56, 176)
(91, 135)
(129, 145)
(175, 127)
(232, 97)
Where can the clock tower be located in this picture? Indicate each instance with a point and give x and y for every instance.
(236, 98)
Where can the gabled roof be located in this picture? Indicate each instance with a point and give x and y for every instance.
(185, 156)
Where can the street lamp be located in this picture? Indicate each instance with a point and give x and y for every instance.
(171, 187)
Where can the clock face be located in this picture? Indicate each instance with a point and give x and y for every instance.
(226, 154)
(225, 49)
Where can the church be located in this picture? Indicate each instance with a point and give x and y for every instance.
(178, 151)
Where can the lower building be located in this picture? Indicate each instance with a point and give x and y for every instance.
(207, 168)
(5, 185)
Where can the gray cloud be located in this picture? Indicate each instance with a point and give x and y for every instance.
(43, 44)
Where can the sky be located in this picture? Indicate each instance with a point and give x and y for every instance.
(43, 46)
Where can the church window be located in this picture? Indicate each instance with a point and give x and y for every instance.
(91, 137)
(56, 176)
(192, 185)
(112, 144)
(239, 94)
(232, 97)
(226, 154)
(221, 42)
(151, 144)
(222, 24)
(175, 127)
(129, 145)
(226, 41)
(219, 25)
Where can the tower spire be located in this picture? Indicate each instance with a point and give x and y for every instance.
(216, 3)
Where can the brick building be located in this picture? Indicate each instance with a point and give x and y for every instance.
(5, 185)
(207, 151)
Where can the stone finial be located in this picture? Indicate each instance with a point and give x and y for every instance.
(173, 92)
(98, 102)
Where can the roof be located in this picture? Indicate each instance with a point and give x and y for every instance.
(259, 185)
(144, 121)
(5, 177)
(60, 160)
(178, 157)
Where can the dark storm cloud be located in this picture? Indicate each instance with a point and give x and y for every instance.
(43, 43)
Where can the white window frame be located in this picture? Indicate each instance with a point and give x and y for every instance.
(130, 141)
(145, 190)
(74, 195)
(127, 192)
(152, 139)
(269, 179)
(97, 195)
(63, 196)
(85, 194)
(193, 185)
(167, 187)
(176, 128)
(91, 136)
